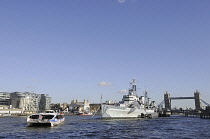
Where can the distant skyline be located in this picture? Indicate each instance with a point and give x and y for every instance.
(73, 49)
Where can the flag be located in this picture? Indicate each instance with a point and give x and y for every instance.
(40, 116)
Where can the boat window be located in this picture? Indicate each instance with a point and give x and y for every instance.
(34, 116)
(59, 116)
(47, 116)
(49, 111)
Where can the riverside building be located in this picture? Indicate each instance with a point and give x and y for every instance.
(30, 101)
(80, 106)
(4, 99)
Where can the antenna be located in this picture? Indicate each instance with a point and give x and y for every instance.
(101, 99)
(145, 94)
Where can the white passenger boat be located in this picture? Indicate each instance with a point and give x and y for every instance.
(49, 118)
(131, 106)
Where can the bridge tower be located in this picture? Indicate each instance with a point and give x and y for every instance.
(167, 101)
(197, 98)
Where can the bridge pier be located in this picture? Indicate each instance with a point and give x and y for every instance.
(197, 98)
(167, 101)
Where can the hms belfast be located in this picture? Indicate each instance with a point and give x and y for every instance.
(131, 106)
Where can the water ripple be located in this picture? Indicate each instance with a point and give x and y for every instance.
(88, 127)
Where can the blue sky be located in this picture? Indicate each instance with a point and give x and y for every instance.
(65, 48)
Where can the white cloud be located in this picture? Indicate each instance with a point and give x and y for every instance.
(121, 1)
(29, 86)
(123, 91)
(104, 83)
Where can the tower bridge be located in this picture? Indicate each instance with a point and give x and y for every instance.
(196, 97)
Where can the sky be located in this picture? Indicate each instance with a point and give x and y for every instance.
(85, 49)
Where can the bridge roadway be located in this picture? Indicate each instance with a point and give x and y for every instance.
(181, 98)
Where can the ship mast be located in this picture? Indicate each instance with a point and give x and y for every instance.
(133, 89)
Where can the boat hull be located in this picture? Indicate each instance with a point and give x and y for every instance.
(45, 122)
(151, 113)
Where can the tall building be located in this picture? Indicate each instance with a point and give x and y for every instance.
(30, 101)
(45, 101)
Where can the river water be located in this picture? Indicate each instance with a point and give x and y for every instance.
(95, 127)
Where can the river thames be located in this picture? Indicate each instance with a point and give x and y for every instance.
(95, 127)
